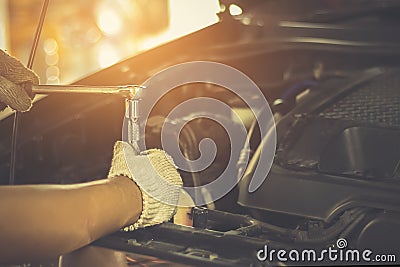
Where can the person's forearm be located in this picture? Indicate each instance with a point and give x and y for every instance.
(44, 221)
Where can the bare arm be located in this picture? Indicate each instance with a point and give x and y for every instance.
(44, 221)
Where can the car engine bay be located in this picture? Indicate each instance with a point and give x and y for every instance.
(333, 84)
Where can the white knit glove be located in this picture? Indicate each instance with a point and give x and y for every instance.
(157, 178)
(13, 76)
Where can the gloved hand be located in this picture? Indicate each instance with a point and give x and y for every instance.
(157, 178)
(14, 77)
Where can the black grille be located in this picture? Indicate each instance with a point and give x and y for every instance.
(377, 102)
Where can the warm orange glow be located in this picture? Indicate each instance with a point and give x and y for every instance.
(4, 20)
(108, 20)
(186, 16)
(235, 10)
(107, 55)
(50, 46)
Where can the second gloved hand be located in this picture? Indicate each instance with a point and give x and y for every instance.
(14, 79)
(157, 178)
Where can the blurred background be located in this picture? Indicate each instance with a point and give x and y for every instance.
(81, 37)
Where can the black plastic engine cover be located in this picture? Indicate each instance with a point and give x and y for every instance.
(379, 233)
(337, 149)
